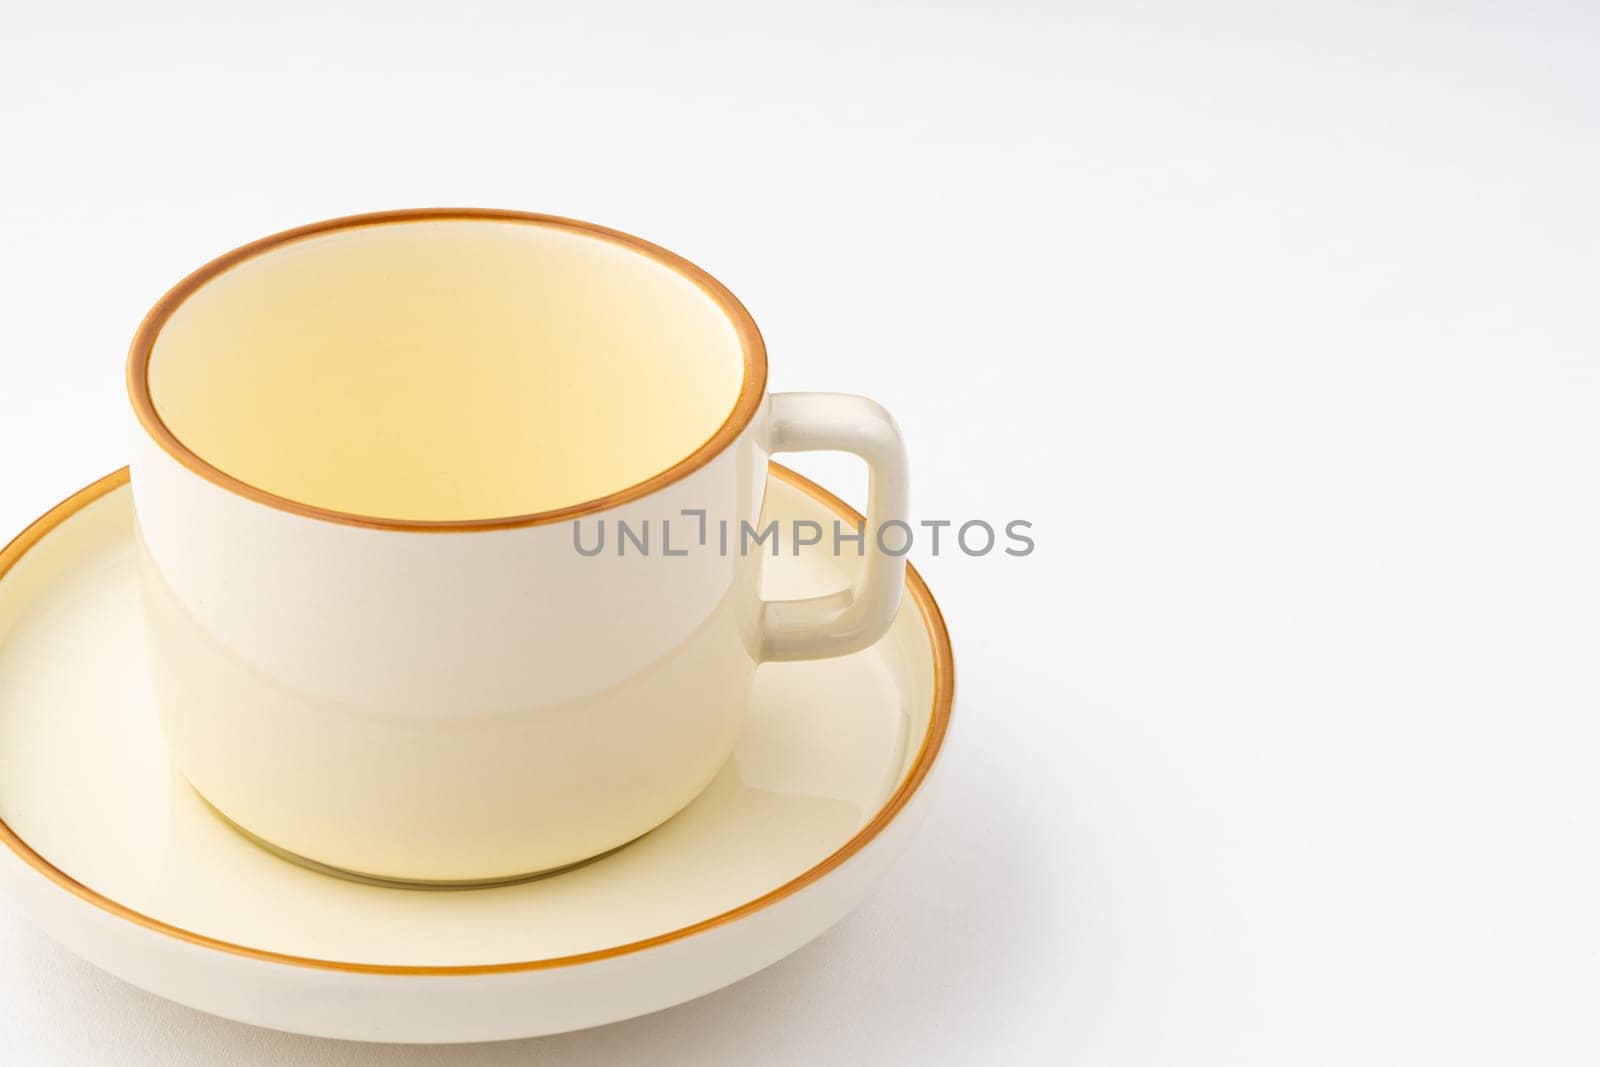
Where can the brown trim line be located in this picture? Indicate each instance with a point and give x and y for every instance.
(751, 391)
(933, 739)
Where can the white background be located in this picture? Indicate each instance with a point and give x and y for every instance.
(1280, 326)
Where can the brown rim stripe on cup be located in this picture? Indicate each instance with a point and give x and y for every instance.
(751, 390)
(932, 740)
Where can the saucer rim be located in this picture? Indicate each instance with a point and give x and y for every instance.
(927, 754)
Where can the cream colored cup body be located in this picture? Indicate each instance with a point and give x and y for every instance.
(444, 706)
(478, 701)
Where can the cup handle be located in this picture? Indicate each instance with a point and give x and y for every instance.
(843, 622)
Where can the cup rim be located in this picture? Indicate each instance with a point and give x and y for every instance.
(751, 389)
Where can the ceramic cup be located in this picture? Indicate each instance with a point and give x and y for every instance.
(372, 461)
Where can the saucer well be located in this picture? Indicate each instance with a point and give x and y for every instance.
(110, 852)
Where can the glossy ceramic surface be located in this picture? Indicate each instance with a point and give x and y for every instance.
(117, 857)
(468, 699)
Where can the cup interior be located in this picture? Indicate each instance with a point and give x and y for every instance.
(449, 369)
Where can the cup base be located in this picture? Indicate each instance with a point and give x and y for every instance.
(388, 882)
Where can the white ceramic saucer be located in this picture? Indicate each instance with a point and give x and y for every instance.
(115, 856)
